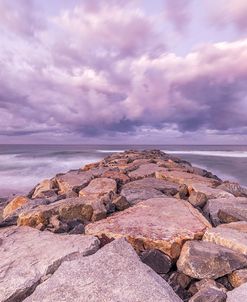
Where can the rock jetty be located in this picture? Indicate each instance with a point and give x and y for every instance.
(136, 226)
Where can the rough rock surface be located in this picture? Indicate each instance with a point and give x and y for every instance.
(238, 277)
(239, 294)
(154, 224)
(209, 294)
(41, 188)
(114, 273)
(99, 187)
(211, 193)
(213, 206)
(232, 235)
(14, 204)
(28, 256)
(200, 260)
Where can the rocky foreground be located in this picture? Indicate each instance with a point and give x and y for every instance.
(134, 227)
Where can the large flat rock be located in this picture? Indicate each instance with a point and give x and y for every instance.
(113, 274)
(186, 178)
(28, 256)
(234, 205)
(157, 223)
(239, 294)
(211, 193)
(201, 260)
(232, 235)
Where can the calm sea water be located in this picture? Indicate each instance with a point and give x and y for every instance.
(23, 166)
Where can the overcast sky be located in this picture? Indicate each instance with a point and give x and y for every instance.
(123, 71)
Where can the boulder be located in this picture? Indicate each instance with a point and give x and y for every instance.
(197, 199)
(135, 195)
(232, 235)
(211, 193)
(213, 206)
(157, 223)
(238, 277)
(157, 260)
(41, 188)
(145, 171)
(118, 176)
(201, 259)
(209, 294)
(185, 178)
(114, 273)
(205, 283)
(231, 214)
(14, 204)
(99, 187)
(164, 186)
(67, 209)
(29, 256)
(72, 181)
(233, 188)
(239, 294)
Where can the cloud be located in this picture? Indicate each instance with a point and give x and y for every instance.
(178, 13)
(96, 72)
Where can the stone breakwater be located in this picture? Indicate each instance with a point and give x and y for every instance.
(136, 226)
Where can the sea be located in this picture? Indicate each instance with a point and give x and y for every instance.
(24, 166)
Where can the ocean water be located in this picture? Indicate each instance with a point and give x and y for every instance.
(23, 166)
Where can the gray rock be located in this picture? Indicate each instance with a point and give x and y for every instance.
(135, 195)
(213, 206)
(199, 259)
(114, 273)
(209, 294)
(233, 188)
(239, 294)
(28, 256)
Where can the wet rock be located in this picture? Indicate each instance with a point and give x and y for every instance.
(232, 235)
(198, 199)
(121, 203)
(200, 260)
(238, 277)
(14, 204)
(209, 294)
(116, 274)
(239, 294)
(99, 187)
(72, 181)
(157, 260)
(28, 255)
(213, 206)
(154, 224)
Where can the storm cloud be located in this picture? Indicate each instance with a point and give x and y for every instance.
(107, 68)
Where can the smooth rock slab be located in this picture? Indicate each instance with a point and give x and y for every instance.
(28, 255)
(113, 274)
(239, 294)
(145, 171)
(99, 187)
(213, 206)
(157, 223)
(135, 195)
(232, 235)
(200, 260)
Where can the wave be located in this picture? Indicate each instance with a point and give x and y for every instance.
(236, 154)
(109, 151)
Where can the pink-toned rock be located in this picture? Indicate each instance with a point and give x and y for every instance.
(232, 235)
(118, 176)
(188, 179)
(158, 223)
(211, 193)
(14, 204)
(145, 171)
(45, 185)
(99, 187)
(73, 180)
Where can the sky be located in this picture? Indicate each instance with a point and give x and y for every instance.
(123, 71)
